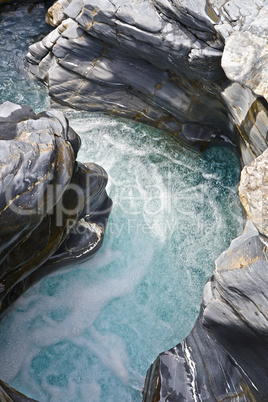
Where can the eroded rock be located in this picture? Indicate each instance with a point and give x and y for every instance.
(53, 209)
(132, 59)
(9, 394)
(225, 355)
(160, 63)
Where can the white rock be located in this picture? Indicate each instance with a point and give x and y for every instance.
(245, 60)
(253, 192)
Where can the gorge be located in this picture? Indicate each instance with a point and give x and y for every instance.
(198, 71)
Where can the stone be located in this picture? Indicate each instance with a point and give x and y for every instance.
(164, 71)
(46, 199)
(245, 60)
(253, 192)
(55, 13)
(225, 355)
(123, 60)
(250, 116)
(9, 394)
(236, 316)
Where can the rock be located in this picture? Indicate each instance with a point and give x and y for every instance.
(86, 234)
(250, 116)
(200, 136)
(134, 60)
(233, 15)
(55, 13)
(236, 317)
(225, 355)
(27, 1)
(253, 191)
(8, 394)
(160, 63)
(245, 60)
(45, 198)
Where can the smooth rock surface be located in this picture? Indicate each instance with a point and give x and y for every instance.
(225, 354)
(132, 59)
(250, 116)
(160, 63)
(51, 206)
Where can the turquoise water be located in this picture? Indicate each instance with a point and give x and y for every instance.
(18, 30)
(90, 331)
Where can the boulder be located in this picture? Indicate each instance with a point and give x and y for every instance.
(245, 56)
(9, 394)
(253, 191)
(225, 355)
(160, 62)
(53, 209)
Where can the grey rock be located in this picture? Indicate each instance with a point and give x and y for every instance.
(259, 25)
(235, 15)
(225, 354)
(157, 62)
(250, 117)
(192, 14)
(245, 53)
(236, 317)
(45, 197)
(139, 14)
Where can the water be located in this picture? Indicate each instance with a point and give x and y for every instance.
(18, 30)
(90, 331)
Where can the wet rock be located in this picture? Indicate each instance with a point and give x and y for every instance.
(86, 234)
(45, 197)
(236, 316)
(225, 355)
